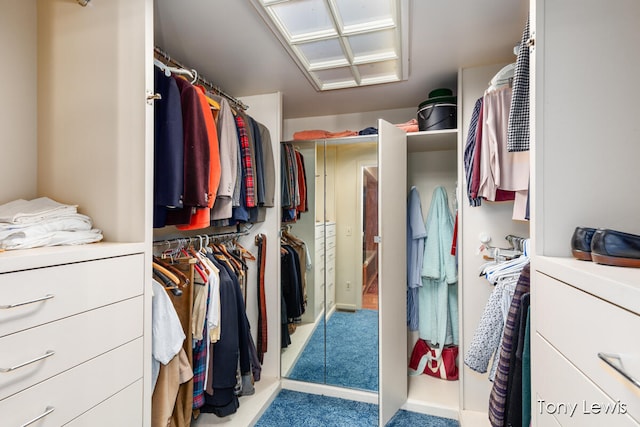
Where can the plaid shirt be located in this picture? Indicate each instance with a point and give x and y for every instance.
(247, 162)
(200, 365)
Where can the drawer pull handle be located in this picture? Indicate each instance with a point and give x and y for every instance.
(18, 304)
(608, 359)
(49, 353)
(47, 411)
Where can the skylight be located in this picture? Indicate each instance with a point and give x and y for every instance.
(342, 43)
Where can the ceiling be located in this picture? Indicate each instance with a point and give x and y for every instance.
(229, 44)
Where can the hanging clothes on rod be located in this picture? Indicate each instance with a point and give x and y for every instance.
(492, 172)
(293, 183)
(225, 365)
(293, 265)
(214, 163)
(500, 335)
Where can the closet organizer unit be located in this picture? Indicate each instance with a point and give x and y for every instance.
(492, 219)
(77, 120)
(264, 109)
(583, 312)
(432, 162)
(74, 320)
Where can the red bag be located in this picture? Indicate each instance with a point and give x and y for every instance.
(432, 361)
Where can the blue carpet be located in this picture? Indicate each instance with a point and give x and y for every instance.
(351, 360)
(292, 408)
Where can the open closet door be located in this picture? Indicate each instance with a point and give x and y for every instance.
(392, 211)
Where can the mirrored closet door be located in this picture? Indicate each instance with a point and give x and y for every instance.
(352, 331)
(339, 280)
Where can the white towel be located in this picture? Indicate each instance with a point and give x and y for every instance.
(29, 211)
(72, 222)
(32, 238)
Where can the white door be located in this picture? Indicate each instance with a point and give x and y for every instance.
(392, 325)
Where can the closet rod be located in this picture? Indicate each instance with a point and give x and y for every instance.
(187, 240)
(206, 83)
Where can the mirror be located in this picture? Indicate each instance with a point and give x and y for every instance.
(335, 340)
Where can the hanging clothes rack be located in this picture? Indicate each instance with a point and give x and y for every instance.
(172, 246)
(196, 77)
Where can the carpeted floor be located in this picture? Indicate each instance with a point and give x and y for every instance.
(292, 408)
(352, 352)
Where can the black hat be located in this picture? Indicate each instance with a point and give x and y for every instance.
(441, 95)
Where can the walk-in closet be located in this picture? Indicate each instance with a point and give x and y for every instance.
(120, 322)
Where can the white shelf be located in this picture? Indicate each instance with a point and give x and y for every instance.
(434, 140)
(23, 259)
(251, 407)
(433, 396)
(618, 285)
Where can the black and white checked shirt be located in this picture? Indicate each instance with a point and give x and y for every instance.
(518, 128)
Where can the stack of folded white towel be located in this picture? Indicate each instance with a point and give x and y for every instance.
(44, 222)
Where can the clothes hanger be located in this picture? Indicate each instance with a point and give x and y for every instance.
(501, 269)
(167, 282)
(171, 268)
(244, 252)
(168, 70)
(192, 254)
(503, 77)
(166, 273)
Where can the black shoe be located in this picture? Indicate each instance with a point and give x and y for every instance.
(612, 247)
(581, 243)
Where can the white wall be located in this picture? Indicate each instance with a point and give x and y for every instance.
(348, 197)
(18, 103)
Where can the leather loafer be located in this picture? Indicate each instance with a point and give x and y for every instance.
(581, 243)
(612, 247)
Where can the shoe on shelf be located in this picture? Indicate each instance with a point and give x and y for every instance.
(611, 247)
(581, 243)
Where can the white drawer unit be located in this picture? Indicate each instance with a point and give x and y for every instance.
(32, 297)
(566, 397)
(589, 318)
(64, 397)
(330, 264)
(41, 352)
(122, 409)
(71, 340)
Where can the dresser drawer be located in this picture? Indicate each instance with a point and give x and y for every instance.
(580, 326)
(566, 397)
(122, 409)
(331, 244)
(331, 229)
(71, 341)
(65, 290)
(77, 390)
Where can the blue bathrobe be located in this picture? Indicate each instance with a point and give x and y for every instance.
(438, 296)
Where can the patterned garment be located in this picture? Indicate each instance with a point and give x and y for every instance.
(200, 365)
(518, 129)
(470, 151)
(500, 390)
(487, 336)
(247, 163)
